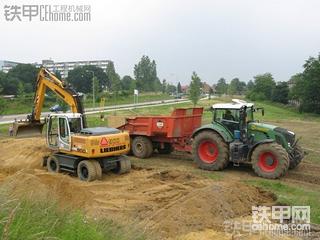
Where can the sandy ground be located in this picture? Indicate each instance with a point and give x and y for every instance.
(165, 197)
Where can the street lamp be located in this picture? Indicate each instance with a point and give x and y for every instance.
(93, 98)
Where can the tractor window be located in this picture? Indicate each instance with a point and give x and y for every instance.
(75, 125)
(249, 115)
(229, 118)
(53, 132)
(63, 129)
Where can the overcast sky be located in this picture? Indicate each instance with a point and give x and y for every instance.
(225, 38)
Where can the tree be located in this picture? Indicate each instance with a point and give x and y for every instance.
(179, 90)
(310, 84)
(222, 86)
(20, 91)
(25, 73)
(2, 105)
(81, 78)
(263, 86)
(297, 90)
(195, 86)
(280, 93)
(113, 77)
(145, 73)
(171, 89)
(236, 87)
(164, 85)
(250, 85)
(128, 83)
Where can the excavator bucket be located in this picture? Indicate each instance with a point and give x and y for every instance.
(27, 129)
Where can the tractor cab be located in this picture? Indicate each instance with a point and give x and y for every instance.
(232, 115)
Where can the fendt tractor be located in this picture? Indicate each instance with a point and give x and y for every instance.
(234, 136)
(75, 148)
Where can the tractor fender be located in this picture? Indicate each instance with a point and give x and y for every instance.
(268, 140)
(224, 133)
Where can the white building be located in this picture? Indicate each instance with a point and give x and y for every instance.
(62, 67)
(5, 65)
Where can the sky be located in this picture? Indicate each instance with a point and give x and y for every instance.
(215, 38)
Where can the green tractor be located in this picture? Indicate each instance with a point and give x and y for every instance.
(234, 136)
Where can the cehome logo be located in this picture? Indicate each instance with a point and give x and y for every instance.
(112, 149)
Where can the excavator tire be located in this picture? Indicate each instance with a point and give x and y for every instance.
(87, 171)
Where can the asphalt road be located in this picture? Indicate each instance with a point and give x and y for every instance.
(5, 119)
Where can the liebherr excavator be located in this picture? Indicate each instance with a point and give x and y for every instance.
(75, 148)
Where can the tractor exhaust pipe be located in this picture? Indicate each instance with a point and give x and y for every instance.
(27, 129)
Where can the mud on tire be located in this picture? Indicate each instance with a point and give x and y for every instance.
(209, 151)
(123, 165)
(270, 160)
(53, 164)
(87, 171)
(142, 147)
(296, 157)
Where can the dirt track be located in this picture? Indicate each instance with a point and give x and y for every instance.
(165, 196)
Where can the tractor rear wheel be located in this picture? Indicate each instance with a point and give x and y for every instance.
(142, 147)
(270, 160)
(87, 171)
(53, 164)
(210, 152)
(123, 165)
(296, 157)
(167, 149)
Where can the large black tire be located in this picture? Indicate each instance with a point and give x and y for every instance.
(123, 165)
(167, 148)
(87, 171)
(53, 164)
(296, 157)
(142, 147)
(98, 168)
(209, 150)
(270, 160)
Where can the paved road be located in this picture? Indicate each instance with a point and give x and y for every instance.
(5, 119)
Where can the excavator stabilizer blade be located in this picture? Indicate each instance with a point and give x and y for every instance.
(27, 129)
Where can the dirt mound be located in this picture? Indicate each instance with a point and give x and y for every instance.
(166, 203)
(24, 153)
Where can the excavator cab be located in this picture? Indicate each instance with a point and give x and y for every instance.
(60, 128)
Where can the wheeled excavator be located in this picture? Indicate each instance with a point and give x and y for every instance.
(76, 148)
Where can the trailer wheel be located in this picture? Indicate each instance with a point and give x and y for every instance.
(98, 168)
(270, 160)
(87, 171)
(142, 147)
(123, 165)
(53, 164)
(210, 152)
(166, 150)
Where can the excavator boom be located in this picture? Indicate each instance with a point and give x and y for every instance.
(33, 126)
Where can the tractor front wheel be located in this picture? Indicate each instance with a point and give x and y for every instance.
(210, 152)
(142, 147)
(270, 160)
(296, 157)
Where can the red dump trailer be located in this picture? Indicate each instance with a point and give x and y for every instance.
(163, 133)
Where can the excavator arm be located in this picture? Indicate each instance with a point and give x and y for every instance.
(33, 126)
